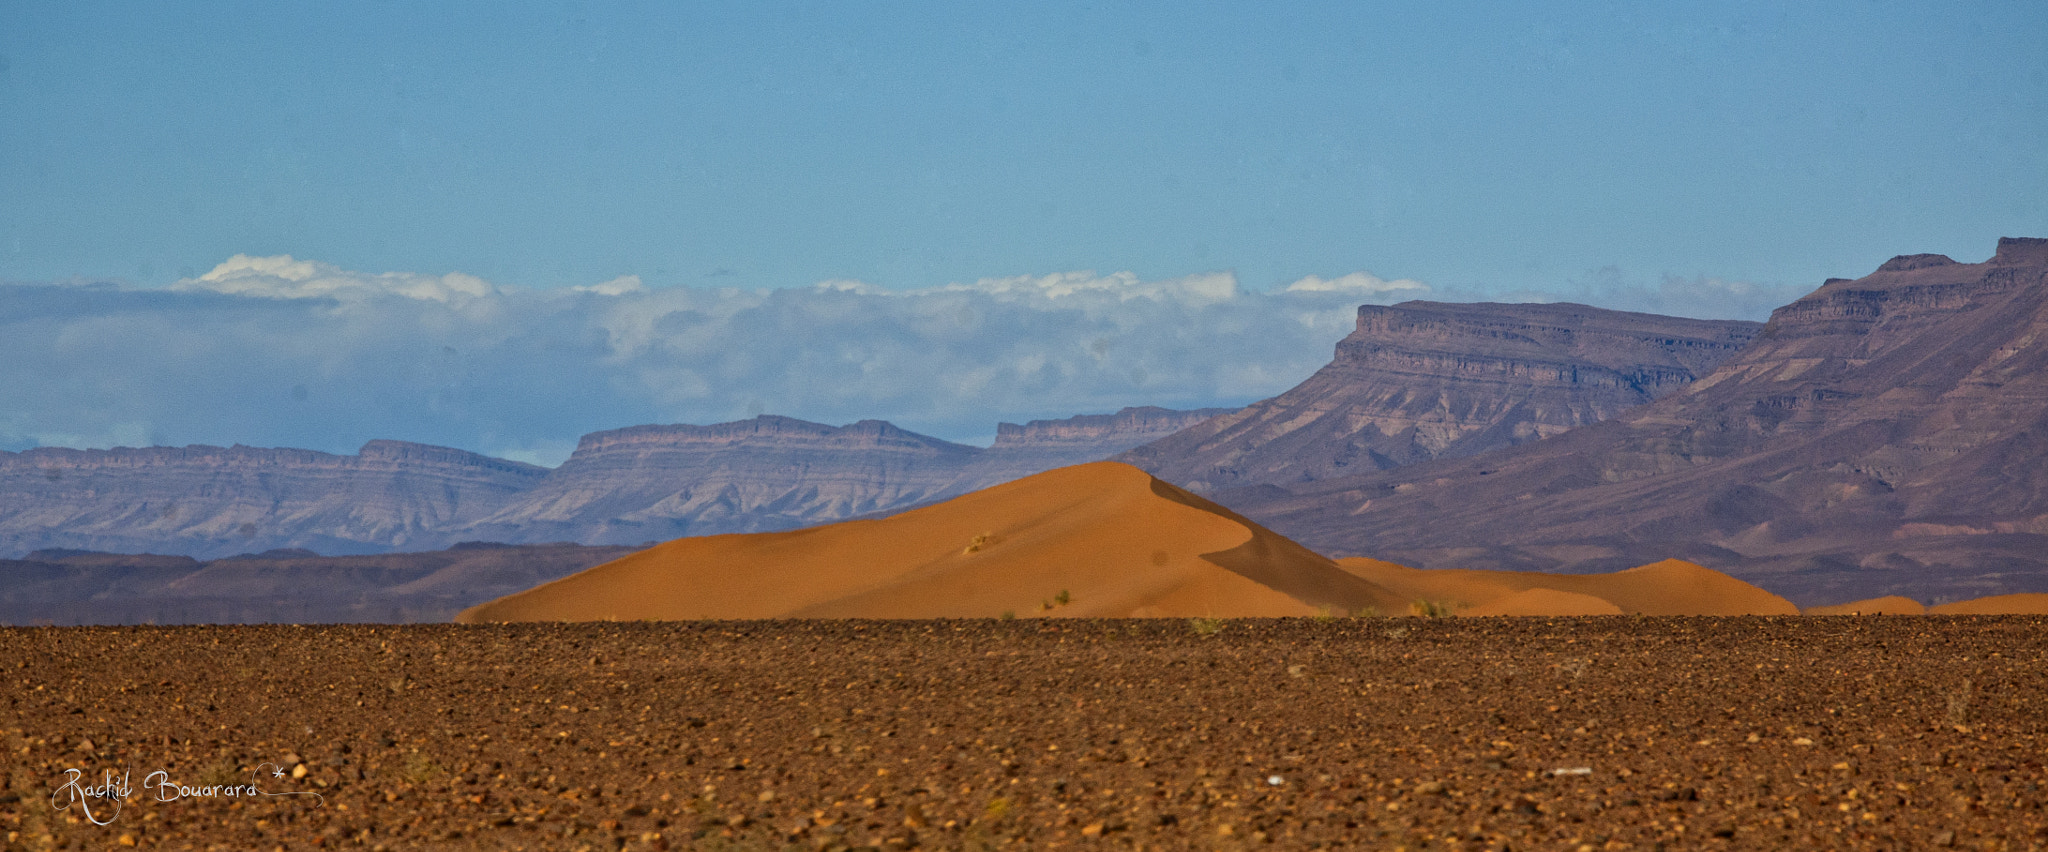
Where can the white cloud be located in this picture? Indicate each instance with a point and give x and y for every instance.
(1194, 290)
(283, 277)
(619, 286)
(275, 351)
(1362, 284)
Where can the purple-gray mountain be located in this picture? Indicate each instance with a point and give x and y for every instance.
(214, 501)
(1887, 435)
(626, 486)
(1427, 380)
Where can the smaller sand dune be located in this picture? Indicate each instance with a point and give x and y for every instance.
(2030, 603)
(1887, 605)
(1545, 602)
(1670, 587)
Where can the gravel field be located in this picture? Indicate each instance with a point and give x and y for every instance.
(1898, 732)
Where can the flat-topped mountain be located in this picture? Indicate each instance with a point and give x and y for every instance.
(1426, 380)
(650, 483)
(214, 501)
(1884, 435)
(1092, 432)
(623, 486)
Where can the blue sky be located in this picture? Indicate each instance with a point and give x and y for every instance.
(1713, 160)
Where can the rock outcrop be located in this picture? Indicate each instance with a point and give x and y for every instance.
(1427, 380)
(1881, 436)
(209, 501)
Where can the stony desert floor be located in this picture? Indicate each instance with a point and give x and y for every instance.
(1882, 732)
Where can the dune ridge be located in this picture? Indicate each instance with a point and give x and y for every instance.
(1094, 540)
(1670, 587)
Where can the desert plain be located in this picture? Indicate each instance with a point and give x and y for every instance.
(1601, 732)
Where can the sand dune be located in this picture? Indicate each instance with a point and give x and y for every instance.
(1670, 587)
(1544, 602)
(2032, 603)
(1115, 540)
(1887, 605)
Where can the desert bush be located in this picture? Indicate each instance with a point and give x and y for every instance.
(1432, 609)
(420, 769)
(1205, 626)
(997, 809)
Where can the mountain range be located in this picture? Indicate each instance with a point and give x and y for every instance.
(1886, 435)
(1426, 380)
(624, 486)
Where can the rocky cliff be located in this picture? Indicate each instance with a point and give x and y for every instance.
(1427, 380)
(1881, 436)
(214, 501)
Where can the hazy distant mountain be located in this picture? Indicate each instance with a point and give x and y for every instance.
(1425, 380)
(1887, 435)
(279, 586)
(624, 486)
(212, 501)
(650, 483)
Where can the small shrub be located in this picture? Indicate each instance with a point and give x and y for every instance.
(419, 768)
(1324, 615)
(1063, 598)
(997, 809)
(1205, 626)
(979, 542)
(1008, 615)
(1367, 611)
(1432, 609)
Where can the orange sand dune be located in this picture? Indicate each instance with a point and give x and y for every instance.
(1550, 602)
(1670, 587)
(1887, 605)
(2031, 603)
(1117, 541)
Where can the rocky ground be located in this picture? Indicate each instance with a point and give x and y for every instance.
(1592, 733)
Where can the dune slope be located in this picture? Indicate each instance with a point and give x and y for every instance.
(1115, 540)
(1670, 587)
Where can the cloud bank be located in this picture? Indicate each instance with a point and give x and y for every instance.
(276, 351)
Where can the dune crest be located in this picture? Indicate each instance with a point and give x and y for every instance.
(1094, 540)
(1887, 605)
(1670, 587)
